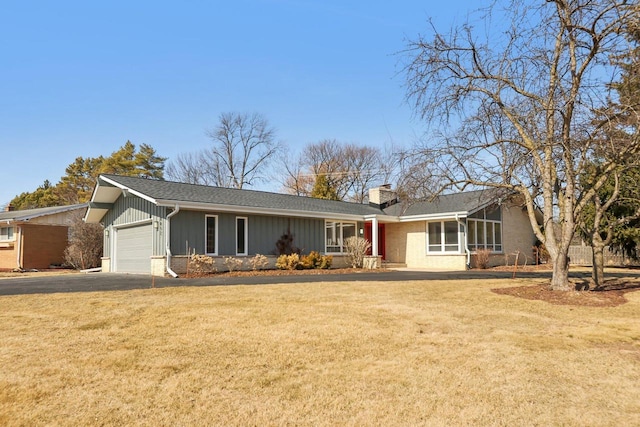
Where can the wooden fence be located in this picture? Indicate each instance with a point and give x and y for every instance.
(582, 255)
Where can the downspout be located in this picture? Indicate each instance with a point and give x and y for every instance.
(466, 247)
(168, 240)
(19, 248)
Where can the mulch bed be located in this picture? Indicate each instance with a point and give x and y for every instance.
(308, 272)
(612, 294)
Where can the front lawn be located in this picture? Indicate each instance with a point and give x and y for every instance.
(379, 353)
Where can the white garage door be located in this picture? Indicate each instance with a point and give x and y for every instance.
(133, 249)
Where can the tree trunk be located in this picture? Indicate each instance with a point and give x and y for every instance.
(597, 273)
(560, 277)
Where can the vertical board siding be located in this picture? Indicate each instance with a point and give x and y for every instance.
(188, 231)
(132, 209)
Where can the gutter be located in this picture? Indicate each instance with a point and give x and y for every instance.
(466, 247)
(168, 240)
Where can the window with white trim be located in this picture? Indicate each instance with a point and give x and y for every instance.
(443, 236)
(335, 234)
(242, 241)
(6, 234)
(211, 236)
(484, 230)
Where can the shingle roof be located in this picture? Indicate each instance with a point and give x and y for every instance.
(168, 191)
(27, 214)
(468, 201)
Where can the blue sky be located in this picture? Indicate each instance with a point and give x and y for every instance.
(80, 78)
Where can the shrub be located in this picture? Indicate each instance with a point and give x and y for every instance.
(232, 263)
(258, 262)
(315, 260)
(326, 262)
(541, 252)
(284, 245)
(201, 264)
(356, 248)
(482, 258)
(85, 244)
(288, 262)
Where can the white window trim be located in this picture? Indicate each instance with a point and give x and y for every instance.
(339, 239)
(493, 246)
(206, 217)
(13, 234)
(442, 250)
(246, 236)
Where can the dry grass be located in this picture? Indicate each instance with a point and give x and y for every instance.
(414, 353)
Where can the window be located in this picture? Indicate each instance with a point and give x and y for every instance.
(6, 233)
(241, 235)
(336, 233)
(443, 236)
(484, 234)
(211, 235)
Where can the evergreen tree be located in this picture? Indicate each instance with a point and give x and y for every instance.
(76, 186)
(323, 189)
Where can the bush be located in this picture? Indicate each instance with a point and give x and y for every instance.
(356, 248)
(482, 258)
(541, 252)
(285, 246)
(258, 262)
(232, 263)
(326, 262)
(288, 262)
(201, 264)
(85, 244)
(316, 260)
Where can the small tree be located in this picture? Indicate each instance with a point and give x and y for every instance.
(357, 248)
(85, 244)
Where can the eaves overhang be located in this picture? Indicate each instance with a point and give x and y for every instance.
(382, 218)
(106, 193)
(213, 207)
(434, 216)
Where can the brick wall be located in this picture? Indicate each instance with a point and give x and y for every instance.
(8, 257)
(43, 245)
(406, 243)
(517, 235)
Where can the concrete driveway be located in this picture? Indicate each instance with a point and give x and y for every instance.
(94, 282)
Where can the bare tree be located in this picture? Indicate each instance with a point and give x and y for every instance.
(191, 168)
(515, 99)
(349, 169)
(85, 244)
(243, 146)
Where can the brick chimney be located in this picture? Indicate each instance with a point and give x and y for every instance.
(9, 208)
(382, 196)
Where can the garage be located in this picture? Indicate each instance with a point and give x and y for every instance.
(133, 249)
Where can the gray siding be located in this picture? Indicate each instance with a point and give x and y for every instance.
(130, 210)
(188, 230)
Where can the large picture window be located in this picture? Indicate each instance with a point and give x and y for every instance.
(211, 235)
(484, 234)
(241, 235)
(443, 236)
(335, 235)
(6, 233)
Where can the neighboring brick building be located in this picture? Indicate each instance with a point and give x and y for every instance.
(35, 238)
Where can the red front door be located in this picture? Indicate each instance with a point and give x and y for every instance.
(369, 237)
